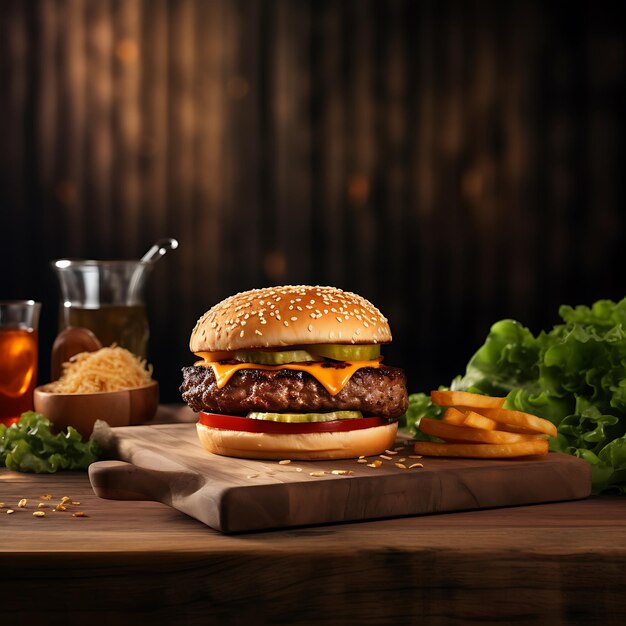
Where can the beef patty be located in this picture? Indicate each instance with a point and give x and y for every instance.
(373, 391)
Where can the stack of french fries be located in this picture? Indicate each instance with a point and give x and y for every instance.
(477, 426)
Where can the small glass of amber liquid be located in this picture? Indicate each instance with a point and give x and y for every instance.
(19, 320)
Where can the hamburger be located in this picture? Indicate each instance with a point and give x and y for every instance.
(294, 372)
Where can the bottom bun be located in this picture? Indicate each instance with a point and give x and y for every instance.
(300, 447)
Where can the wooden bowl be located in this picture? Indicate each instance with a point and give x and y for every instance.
(128, 407)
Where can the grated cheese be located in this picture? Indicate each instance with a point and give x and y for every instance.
(107, 369)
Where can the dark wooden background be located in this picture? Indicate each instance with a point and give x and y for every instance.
(455, 162)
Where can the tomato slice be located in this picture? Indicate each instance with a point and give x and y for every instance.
(233, 422)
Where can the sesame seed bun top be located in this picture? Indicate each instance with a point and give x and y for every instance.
(290, 315)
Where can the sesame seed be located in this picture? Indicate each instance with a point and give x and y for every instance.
(257, 331)
(294, 318)
(241, 334)
(313, 315)
(286, 323)
(310, 327)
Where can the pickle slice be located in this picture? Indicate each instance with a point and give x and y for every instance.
(274, 358)
(305, 417)
(343, 352)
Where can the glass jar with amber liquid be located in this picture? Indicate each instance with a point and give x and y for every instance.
(107, 297)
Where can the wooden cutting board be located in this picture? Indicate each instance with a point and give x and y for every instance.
(166, 463)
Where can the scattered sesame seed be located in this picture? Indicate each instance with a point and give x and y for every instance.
(316, 474)
(39, 514)
(284, 462)
(416, 465)
(376, 464)
(79, 514)
(361, 460)
(22, 503)
(384, 456)
(10, 511)
(415, 456)
(400, 465)
(392, 452)
(342, 472)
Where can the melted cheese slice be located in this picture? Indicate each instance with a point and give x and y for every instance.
(333, 379)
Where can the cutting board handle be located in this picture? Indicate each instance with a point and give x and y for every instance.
(117, 480)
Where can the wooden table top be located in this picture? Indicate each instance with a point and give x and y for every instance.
(535, 563)
(128, 562)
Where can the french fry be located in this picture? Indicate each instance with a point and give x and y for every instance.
(482, 450)
(507, 428)
(465, 399)
(475, 420)
(453, 416)
(520, 419)
(453, 432)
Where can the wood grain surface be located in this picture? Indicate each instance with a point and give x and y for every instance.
(166, 463)
(143, 562)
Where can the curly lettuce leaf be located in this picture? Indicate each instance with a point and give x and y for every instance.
(421, 406)
(30, 446)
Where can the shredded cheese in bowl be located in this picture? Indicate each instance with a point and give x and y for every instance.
(107, 369)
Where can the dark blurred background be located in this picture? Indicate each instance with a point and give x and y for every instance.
(454, 162)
